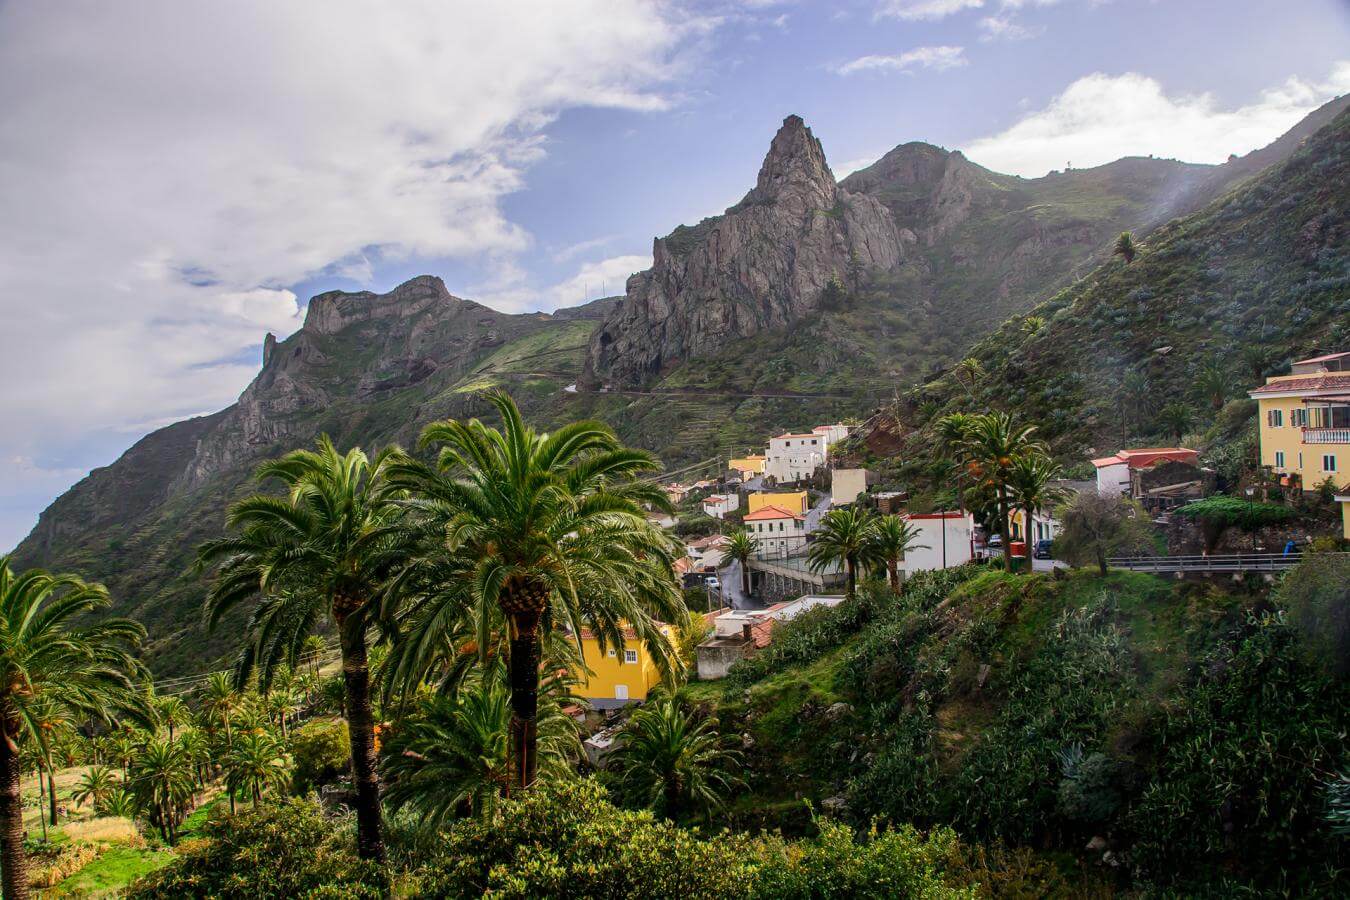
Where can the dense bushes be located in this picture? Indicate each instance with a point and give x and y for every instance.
(322, 753)
(285, 850)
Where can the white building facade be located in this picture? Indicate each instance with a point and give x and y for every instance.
(946, 539)
(795, 456)
(776, 531)
(718, 505)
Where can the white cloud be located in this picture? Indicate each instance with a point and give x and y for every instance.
(580, 248)
(1005, 28)
(167, 170)
(604, 278)
(937, 58)
(923, 9)
(1100, 118)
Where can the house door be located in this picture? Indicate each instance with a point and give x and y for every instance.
(620, 692)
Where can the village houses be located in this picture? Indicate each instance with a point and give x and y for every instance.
(1304, 420)
(795, 456)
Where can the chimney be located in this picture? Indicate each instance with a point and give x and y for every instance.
(745, 633)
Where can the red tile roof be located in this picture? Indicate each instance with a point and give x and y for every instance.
(1325, 382)
(770, 512)
(1147, 456)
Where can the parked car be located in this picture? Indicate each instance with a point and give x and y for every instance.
(995, 542)
(713, 584)
(1042, 550)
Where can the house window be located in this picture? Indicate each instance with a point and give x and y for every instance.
(611, 651)
(630, 656)
(1298, 418)
(1275, 418)
(1328, 462)
(780, 526)
(1279, 459)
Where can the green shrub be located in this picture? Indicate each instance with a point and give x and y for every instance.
(322, 752)
(1317, 595)
(567, 840)
(283, 851)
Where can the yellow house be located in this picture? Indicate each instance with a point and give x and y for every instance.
(1305, 421)
(1344, 501)
(795, 502)
(748, 466)
(618, 675)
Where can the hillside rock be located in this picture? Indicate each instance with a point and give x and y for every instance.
(763, 264)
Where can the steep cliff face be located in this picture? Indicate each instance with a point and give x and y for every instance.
(761, 265)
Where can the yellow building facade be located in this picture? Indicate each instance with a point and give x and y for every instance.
(748, 466)
(797, 502)
(1344, 501)
(1304, 420)
(618, 675)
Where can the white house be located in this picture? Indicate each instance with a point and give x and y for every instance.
(945, 540)
(1113, 472)
(707, 552)
(846, 485)
(794, 456)
(777, 532)
(833, 434)
(718, 505)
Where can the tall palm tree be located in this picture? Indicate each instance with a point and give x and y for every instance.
(888, 541)
(281, 705)
(451, 759)
(671, 762)
(257, 764)
(219, 701)
(1175, 418)
(172, 713)
(844, 537)
(1135, 393)
(1031, 486)
(741, 546)
(323, 550)
(45, 658)
(96, 786)
(989, 445)
(163, 784)
(1214, 383)
(545, 531)
(968, 373)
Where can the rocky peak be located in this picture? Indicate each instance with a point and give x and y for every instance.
(915, 164)
(331, 312)
(794, 170)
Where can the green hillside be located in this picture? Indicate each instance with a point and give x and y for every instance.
(1144, 731)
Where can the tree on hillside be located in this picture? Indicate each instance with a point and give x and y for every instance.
(1317, 595)
(1215, 515)
(324, 549)
(1214, 383)
(1094, 527)
(1031, 486)
(843, 538)
(96, 785)
(171, 713)
(550, 530)
(1174, 419)
(44, 659)
(988, 445)
(1125, 247)
(1257, 360)
(1136, 397)
(257, 764)
(672, 763)
(451, 757)
(968, 373)
(741, 546)
(162, 783)
(890, 537)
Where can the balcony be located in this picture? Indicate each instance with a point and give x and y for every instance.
(1326, 435)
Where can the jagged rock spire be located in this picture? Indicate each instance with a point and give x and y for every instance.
(795, 170)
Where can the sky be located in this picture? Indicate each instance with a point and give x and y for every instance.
(178, 177)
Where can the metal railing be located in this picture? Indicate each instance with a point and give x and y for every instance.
(1218, 563)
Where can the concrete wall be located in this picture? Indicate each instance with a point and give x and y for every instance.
(934, 530)
(846, 485)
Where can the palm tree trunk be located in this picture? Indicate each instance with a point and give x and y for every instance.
(745, 576)
(51, 794)
(852, 568)
(13, 863)
(893, 575)
(524, 664)
(361, 730)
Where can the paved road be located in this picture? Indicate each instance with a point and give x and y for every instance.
(730, 576)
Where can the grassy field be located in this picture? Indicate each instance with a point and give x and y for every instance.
(96, 856)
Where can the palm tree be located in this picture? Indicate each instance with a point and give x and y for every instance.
(968, 373)
(843, 538)
(890, 538)
(257, 764)
(452, 758)
(84, 670)
(123, 749)
(120, 803)
(989, 445)
(672, 763)
(1031, 486)
(741, 546)
(543, 529)
(281, 705)
(1175, 418)
(1257, 359)
(1136, 392)
(323, 550)
(172, 712)
(1214, 382)
(1125, 247)
(219, 701)
(96, 786)
(162, 782)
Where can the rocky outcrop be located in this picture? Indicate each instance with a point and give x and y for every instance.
(763, 264)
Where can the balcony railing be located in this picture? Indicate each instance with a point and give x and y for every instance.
(1326, 435)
